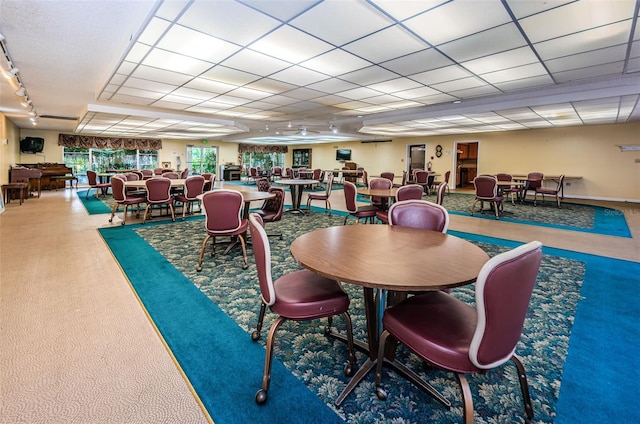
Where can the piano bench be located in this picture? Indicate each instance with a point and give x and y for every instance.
(8, 189)
(64, 178)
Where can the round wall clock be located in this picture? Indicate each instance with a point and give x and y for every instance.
(438, 150)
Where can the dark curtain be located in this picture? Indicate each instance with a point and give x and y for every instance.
(88, 142)
(258, 148)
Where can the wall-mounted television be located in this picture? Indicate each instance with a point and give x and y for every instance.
(343, 154)
(32, 145)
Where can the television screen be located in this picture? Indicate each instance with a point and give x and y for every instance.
(343, 154)
(32, 145)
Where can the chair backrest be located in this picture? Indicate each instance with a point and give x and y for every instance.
(409, 192)
(365, 177)
(504, 177)
(194, 186)
(380, 184)
(350, 195)
(388, 175)
(158, 190)
(422, 177)
(139, 174)
(263, 184)
(158, 171)
(171, 175)
(165, 170)
(486, 187)
(316, 174)
(534, 180)
(92, 177)
(329, 185)
(405, 174)
(146, 173)
(503, 291)
(289, 173)
(118, 188)
(442, 188)
(208, 183)
(419, 214)
(132, 176)
(446, 176)
(262, 254)
(276, 171)
(253, 172)
(185, 173)
(560, 181)
(275, 206)
(223, 210)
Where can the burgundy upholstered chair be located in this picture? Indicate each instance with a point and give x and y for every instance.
(184, 174)
(272, 209)
(359, 212)
(171, 175)
(209, 181)
(322, 196)
(194, 186)
(407, 192)
(158, 171)
(512, 191)
(122, 197)
(550, 191)
(440, 192)
(263, 184)
(456, 337)
(418, 213)
(146, 174)
(298, 296)
(288, 173)
(423, 178)
(158, 194)
(487, 191)
(388, 175)
(405, 176)
(380, 184)
(94, 184)
(134, 191)
(534, 181)
(435, 184)
(276, 172)
(223, 218)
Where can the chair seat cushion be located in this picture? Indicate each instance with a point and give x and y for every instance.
(244, 225)
(550, 191)
(366, 211)
(436, 326)
(318, 196)
(304, 295)
(383, 216)
(267, 216)
(133, 201)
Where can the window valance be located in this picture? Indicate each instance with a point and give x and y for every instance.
(88, 142)
(258, 148)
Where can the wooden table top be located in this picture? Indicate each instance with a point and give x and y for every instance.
(249, 195)
(142, 183)
(546, 177)
(378, 192)
(390, 257)
(296, 181)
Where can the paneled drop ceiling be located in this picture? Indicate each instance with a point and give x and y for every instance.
(307, 71)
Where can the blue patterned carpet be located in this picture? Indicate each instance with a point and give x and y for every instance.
(318, 361)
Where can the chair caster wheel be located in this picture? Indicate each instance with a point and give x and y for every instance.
(255, 336)
(327, 330)
(281, 238)
(349, 370)
(381, 393)
(261, 397)
(122, 223)
(198, 268)
(245, 266)
(111, 220)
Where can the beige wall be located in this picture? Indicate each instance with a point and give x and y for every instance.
(590, 152)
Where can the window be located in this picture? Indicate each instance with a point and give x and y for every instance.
(202, 159)
(263, 160)
(102, 160)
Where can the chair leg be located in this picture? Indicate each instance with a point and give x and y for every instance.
(467, 399)
(524, 387)
(256, 333)
(350, 368)
(124, 216)
(146, 211)
(473, 206)
(261, 396)
(204, 245)
(327, 204)
(244, 251)
(113, 211)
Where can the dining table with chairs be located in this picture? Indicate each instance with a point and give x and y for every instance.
(414, 260)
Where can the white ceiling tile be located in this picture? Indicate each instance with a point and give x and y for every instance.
(582, 60)
(518, 73)
(504, 60)
(299, 76)
(209, 86)
(440, 75)
(614, 68)
(144, 84)
(153, 31)
(335, 62)
(255, 63)
(522, 9)
(402, 10)
(334, 21)
(395, 85)
(146, 94)
(458, 19)
(359, 93)
(370, 75)
(576, 17)
(175, 62)
(137, 52)
(332, 85)
(459, 84)
(385, 45)
(291, 45)
(231, 21)
(170, 10)
(416, 93)
(422, 61)
(283, 10)
(225, 75)
(480, 45)
(472, 92)
(523, 83)
(585, 41)
(160, 75)
(197, 45)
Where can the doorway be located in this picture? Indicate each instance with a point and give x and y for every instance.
(202, 159)
(416, 155)
(466, 163)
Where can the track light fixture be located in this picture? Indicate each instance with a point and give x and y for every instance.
(14, 72)
(22, 92)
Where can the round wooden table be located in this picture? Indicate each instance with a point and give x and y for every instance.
(383, 258)
(295, 187)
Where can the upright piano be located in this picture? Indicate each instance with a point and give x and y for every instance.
(39, 174)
